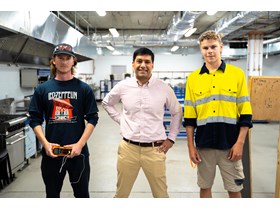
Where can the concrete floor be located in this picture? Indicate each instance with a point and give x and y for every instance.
(181, 177)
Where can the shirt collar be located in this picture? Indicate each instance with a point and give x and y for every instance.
(205, 70)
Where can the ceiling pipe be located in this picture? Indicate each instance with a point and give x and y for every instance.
(238, 19)
(176, 29)
(269, 41)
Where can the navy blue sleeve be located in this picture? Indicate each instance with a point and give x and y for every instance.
(245, 120)
(36, 110)
(91, 108)
(190, 122)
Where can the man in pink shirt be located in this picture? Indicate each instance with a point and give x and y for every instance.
(144, 144)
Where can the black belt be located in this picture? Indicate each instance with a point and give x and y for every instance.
(143, 144)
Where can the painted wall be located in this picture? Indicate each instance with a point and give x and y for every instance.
(271, 65)
(101, 68)
(10, 83)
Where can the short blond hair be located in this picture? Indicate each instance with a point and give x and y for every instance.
(210, 35)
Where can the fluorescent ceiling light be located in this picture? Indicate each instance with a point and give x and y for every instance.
(190, 31)
(174, 48)
(109, 47)
(99, 50)
(116, 52)
(101, 13)
(114, 32)
(211, 13)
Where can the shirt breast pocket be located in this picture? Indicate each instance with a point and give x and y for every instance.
(201, 93)
(229, 93)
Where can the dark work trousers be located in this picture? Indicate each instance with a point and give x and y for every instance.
(78, 169)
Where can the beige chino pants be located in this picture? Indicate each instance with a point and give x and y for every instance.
(130, 159)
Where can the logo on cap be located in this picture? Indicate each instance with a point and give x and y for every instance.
(64, 49)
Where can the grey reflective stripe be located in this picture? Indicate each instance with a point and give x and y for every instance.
(218, 97)
(217, 119)
(189, 103)
(202, 101)
(243, 99)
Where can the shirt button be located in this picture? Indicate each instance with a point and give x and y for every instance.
(213, 86)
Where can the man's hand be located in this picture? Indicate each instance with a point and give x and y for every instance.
(166, 145)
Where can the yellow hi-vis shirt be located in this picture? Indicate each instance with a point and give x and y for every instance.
(219, 99)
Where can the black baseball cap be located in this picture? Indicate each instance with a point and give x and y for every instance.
(64, 49)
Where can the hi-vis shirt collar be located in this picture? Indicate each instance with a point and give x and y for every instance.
(205, 70)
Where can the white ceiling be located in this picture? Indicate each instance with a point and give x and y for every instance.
(159, 29)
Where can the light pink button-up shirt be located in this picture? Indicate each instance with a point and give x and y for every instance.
(142, 115)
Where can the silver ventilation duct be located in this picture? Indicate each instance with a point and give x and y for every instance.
(163, 39)
(180, 23)
(29, 38)
(229, 25)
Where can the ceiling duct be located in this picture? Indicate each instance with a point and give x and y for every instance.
(272, 49)
(229, 26)
(130, 39)
(232, 22)
(235, 20)
(180, 23)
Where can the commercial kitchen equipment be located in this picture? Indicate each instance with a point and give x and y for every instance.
(12, 132)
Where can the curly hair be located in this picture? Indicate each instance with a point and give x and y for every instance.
(210, 35)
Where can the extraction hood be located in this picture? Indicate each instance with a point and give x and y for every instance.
(28, 38)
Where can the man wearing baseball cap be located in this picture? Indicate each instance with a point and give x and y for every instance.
(66, 50)
(64, 103)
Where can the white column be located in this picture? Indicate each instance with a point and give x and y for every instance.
(255, 54)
